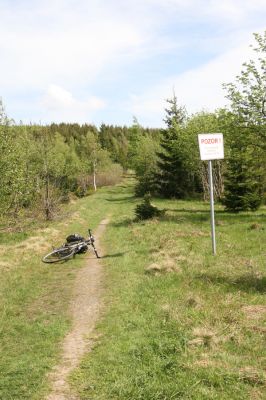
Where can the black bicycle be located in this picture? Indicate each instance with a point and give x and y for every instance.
(75, 244)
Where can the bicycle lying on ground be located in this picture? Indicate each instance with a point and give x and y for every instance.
(75, 244)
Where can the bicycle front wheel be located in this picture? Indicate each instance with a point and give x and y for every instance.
(57, 255)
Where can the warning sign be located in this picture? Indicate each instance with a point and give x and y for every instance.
(211, 146)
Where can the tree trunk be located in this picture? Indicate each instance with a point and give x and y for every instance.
(94, 176)
(47, 205)
(218, 182)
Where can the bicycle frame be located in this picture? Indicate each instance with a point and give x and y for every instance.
(86, 242)
(70, 249)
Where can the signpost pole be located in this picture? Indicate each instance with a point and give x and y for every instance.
(211, 146)
(212, 208)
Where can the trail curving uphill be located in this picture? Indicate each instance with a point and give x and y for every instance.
(85, 307)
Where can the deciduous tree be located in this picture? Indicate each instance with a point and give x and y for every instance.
(248, 104)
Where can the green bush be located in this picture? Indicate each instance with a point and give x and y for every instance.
(146, 210)
(84, 191)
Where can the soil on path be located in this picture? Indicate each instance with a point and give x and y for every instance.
(85, 308)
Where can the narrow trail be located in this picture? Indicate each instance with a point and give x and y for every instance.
(85, 308)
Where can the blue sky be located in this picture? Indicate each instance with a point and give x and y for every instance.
(99, 61)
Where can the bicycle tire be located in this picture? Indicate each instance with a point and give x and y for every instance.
(57, 255)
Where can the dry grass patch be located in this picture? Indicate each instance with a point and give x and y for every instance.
(35, 243)
(181, 234)
(49, 231)
(207, 362)
(220, 223)
(255, 312)
(165, 261)
(252, 376)
(76, 214)
(41, 242)
(173, 254)
(256, 226)
(153, 221)
(165, 266)
(136, 232)
(153, 268)
(166, 308)
(206, 337)
(199, 234)
(194, 233)
(256, 394)
(6, 265)
(259, 329)
(3, 250)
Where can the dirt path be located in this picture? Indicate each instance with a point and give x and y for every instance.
(85, 309)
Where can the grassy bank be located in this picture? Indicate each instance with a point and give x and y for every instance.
(180, 323)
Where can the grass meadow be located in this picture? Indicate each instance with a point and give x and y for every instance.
(178, 323)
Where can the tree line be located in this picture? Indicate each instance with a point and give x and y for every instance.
(171, 168)
(42, 166)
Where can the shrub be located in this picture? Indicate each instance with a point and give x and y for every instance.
(110, 177)
(146, 210)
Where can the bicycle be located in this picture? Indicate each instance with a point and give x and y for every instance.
(75, 244)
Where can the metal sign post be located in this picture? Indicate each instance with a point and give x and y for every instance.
(212, 208)
(211, 148)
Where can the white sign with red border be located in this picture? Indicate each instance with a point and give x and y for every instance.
(211, 146)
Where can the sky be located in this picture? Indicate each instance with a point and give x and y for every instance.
(96, 61)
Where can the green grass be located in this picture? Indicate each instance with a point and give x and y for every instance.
(178, 323)
(34, 298)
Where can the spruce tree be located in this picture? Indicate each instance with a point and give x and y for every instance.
(173, 176)
(135, 133)
(243, 189)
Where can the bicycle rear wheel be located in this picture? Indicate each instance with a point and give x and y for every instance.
(57, 255)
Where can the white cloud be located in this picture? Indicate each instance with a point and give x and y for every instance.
(197, 89)
(74, 47)
(59, 104)
(57, 97)
(78, 44)
(219, 10)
